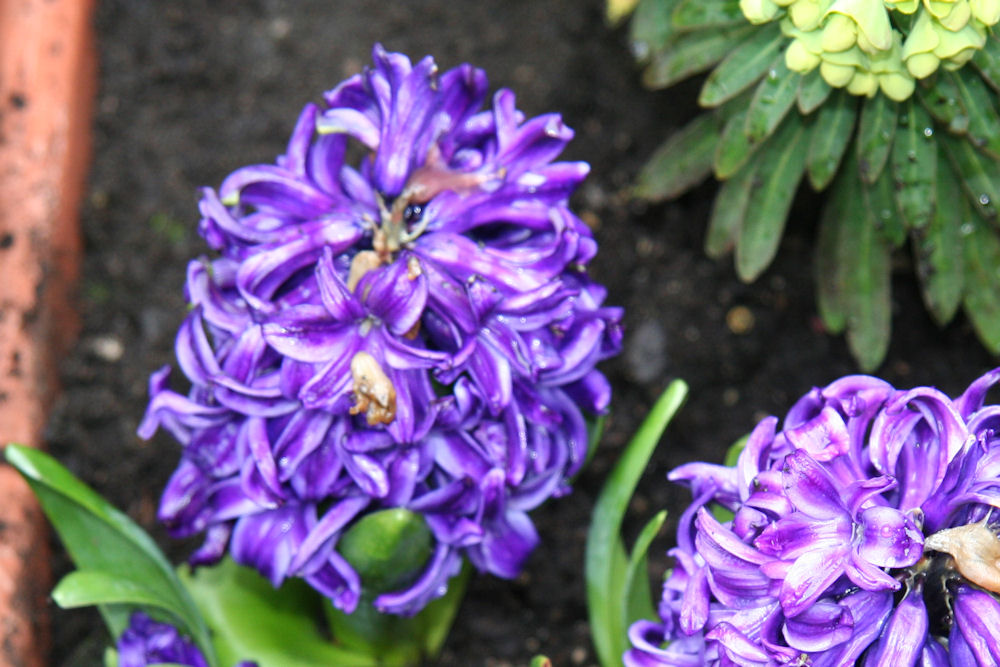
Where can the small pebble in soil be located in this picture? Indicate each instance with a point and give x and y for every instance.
(106, 348)
(740, 320)
(646, 352)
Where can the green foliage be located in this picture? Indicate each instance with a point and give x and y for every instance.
(891, 170)
(617, 586)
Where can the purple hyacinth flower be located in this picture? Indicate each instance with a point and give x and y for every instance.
(397, 314)
(864, 531)
(148, 642)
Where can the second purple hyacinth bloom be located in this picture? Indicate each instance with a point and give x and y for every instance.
(863, 532)
(398, 315)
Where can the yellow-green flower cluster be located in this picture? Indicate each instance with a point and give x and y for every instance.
(859, 46)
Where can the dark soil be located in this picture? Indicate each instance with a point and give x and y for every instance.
(192, 89)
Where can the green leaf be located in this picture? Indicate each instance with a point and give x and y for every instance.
(85, 588)
(977, 173)
(651, 29)
(251, 620)
(638, 601)
(881, 203)
(734, 147)
(940, 98)
(785, 157)
(772, 100)
(865, 271)
(987, 60)
(984, 123)
(540, 661)
(99, 538)
(827, 146)
(728, 212)
(703, 14)
(745, 64)
(876, 130)
(682, 161)
(830, 287)
(605, 563)
(937, 250)
(813, 91)
(914, 165)
(690, 54)
(982, 280)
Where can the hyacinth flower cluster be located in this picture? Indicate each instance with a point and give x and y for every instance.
(397, 315)
(891, 107)
(148, 642)
(862, 532)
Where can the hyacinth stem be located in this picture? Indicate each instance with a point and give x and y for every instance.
(397, 641)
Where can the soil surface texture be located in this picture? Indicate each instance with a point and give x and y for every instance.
(192, 89)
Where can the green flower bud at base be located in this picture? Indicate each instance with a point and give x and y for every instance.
(807, 14)
(839, 33)
(985, 11)
(863, 83)
(799, 59)
(897, 87)
(837, 76)
(759, 11)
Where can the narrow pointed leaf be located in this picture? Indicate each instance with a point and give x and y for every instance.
(734, 148)
(85, 588)
(978, 175)
(876, 131)
(681, 162)
(728, 212)
(638, 599)
(772, 100)
(938, 252)
(914, 165)
(987, 61)
(880, 200)
(771, 197)
(691, 53)
(650, 29)
(702, 14)
(813, 91)
(606, 562)
(100, 538)
(982, 281)
(942, 101)
(745, 64)
(835, 121)
(984, 122)
(830, 286)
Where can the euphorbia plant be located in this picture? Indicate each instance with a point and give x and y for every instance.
(390, 356)
(890, 106)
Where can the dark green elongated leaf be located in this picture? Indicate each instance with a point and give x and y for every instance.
(865, 267)
(813, 91)
(937, 249)
(827, 145)
(772, 100)
(251, 620)
(977, 173)
(982, 281)
(85, 588)
(987, 61)
(100, 538)
(703, 14)
(744, 65)
(651, 28)
(728, 212)
(689, 54)
(914, 165)
(880, 200)
(984, 122)
(771, 197)
(830, 287)
(606, 564)
(734, 147)
(941, 100)
(638, 602)
(682, 161)
(876, 131)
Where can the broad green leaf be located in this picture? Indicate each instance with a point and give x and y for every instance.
(605, 563)
(835, 123)
(746, 63)
(650, 29)
(914, 165)
(785, 158)
(813, 91)
(734, 147)
(876, 130)
(728, 212)
(881, 203)
(942, 101)
(772, 100)
(984, 123)
(982, 280)
(638, 602)
(937, 249)
(977, 173)
(100, 538)
(830, 287)
(703, 14)
(682, 161)
(249, 619)
(689, 54)
(85, 588)
(865, 268)
(987, 61)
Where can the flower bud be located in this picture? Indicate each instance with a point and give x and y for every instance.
(871, 19)
(903, 6)
(918, 49)
(807, 14)
(897, 86)
(800, 59)
(840, 33)
(837, 76)
(758, 11)
(985, 11)
(958, 47)
(863, 83)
